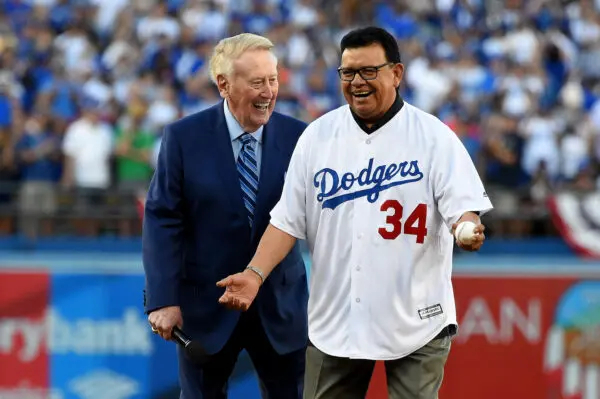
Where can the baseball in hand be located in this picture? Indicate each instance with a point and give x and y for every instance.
(464, 232)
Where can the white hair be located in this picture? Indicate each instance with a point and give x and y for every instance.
(231, 48)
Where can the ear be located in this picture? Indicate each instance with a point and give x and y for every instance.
(398, 74)
(223, 86)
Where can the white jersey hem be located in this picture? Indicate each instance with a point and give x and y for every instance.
(383, 358)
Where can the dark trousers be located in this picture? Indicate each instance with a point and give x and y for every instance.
(280, 376)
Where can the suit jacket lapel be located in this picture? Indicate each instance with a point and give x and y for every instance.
(227, 167)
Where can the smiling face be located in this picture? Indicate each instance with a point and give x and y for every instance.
(251, 89)
(370, 99)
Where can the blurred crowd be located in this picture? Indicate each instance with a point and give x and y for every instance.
(87, 85)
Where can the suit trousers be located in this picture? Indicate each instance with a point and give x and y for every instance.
(280, 376)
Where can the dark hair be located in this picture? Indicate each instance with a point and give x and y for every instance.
(363, 37)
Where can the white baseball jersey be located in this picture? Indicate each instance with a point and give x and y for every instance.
(376, 211)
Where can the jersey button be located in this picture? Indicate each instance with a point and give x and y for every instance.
(357, 268)
(368, 141)
(357, 300)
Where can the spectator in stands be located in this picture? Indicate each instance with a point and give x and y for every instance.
(134, 143)
(39, 157)
(133, 147)
(88, 149)
(9, 119)
(541, 135)
(574, 154)
(503, 147)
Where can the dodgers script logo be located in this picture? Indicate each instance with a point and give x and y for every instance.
(330, 183)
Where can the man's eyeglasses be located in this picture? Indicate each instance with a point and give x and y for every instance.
(367, 73)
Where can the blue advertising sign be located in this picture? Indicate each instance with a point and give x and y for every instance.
(100, 342)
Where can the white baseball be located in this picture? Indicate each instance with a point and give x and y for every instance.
(464, 232)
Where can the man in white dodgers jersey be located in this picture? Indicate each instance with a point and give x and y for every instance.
(376, 188)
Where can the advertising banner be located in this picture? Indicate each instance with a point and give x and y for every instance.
(79, 336)
(24, 359)
(529, 337)
(522, 335)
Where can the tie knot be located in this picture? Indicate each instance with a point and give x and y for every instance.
(247, 138)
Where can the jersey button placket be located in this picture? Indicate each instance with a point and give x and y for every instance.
(356, 317)
(360, 273)
(360, 239)
(366, 150)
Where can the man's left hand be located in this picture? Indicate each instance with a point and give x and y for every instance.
(479, 237)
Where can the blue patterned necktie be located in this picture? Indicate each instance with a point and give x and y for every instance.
(248, 171)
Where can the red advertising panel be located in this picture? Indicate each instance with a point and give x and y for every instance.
(23, 355)
(524, 337)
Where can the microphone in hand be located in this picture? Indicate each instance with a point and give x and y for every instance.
(193, 350)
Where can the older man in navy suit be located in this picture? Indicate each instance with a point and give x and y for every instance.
(219, 174)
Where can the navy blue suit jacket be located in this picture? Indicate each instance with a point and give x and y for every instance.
(196, 231)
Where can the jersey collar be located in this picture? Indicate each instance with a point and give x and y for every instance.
(390, 113)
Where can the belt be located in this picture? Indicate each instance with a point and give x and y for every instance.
(448, 331)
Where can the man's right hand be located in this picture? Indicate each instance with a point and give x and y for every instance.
(163, 320)
(240, 290)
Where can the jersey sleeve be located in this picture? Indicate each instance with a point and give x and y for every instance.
(457, 186)
(289, 214)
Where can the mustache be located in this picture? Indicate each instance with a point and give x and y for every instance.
(361, 88)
